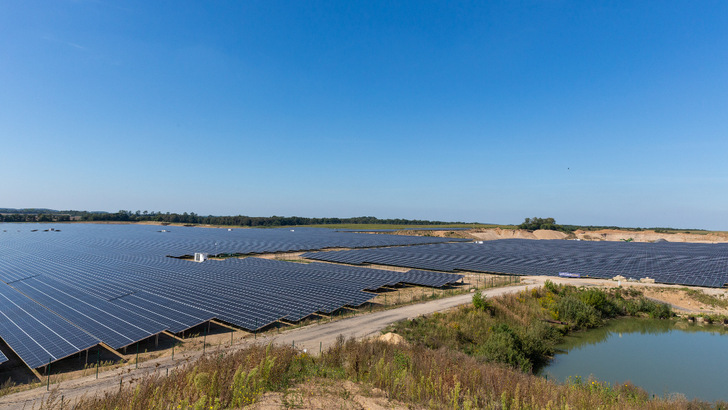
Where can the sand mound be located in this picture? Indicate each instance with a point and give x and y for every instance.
(497, 233)
(392, 338)
(650, 236)
(546, 234)
(489, 235)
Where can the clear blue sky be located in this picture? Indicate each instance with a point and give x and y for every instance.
(598, 113)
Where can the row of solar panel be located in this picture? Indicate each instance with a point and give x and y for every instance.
(101, 294)
(36, 334)
(685, 264)
(179, 241)
(110, 289)
(266, 281)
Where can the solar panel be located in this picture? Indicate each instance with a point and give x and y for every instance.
(248, 293)
(176, 316)
(3, 359)
(677, 263)
(116, 283)
(113, 325)
(35, 334)
(178, 241)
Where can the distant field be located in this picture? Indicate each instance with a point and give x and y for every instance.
(329, 226)
(406, 227)
(356, 226)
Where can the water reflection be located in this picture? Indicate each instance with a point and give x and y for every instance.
(639, 326)
(661, 356)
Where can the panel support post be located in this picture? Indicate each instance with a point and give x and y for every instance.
(48, 384)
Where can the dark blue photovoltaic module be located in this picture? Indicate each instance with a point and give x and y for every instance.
(35, 334)
(693, 264)
(115, 283)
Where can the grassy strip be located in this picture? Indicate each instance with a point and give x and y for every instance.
(419, 377)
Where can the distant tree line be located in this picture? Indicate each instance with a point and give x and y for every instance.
(40, 217)
(28, 211)
(239, 220)
(50, 215)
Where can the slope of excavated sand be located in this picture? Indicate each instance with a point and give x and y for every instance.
(614, 235)
(498, 233)
(650, 236)
(545, 234)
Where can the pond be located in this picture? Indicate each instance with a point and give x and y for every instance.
(661, 356)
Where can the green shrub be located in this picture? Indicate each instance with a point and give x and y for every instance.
(551, 287)
(579, 314)
(538, 342)
(504, 346)
(661, 311)
(480, 302)
(598, 300)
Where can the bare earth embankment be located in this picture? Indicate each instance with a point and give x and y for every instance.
(492, 234)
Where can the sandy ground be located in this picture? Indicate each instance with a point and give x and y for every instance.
(679, 299)
(651, 236)
(491, 234)
(329, 394)
(497, 233)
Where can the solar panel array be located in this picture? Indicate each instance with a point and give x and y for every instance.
(403, 229)
(36, 334)
(675, 263)
(153, 240)
(63, 292)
